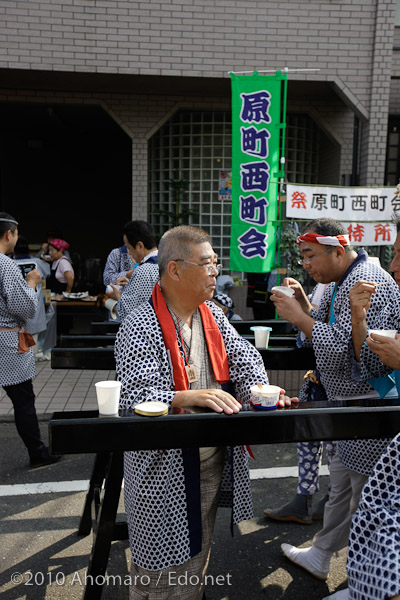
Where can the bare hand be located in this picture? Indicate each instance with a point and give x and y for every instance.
(121, 280)
(388, 349)
(285, 400)
(115, 294)
(360, 299)
(295, 285)
(217, 400)
(33, 278)
(286, 306)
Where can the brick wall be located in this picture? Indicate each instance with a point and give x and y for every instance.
(196, 38)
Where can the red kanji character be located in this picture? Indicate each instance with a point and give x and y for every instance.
(356, 233)
(384, 231)
(299, 200)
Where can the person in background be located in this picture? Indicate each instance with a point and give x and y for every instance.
(301, 509)
(226, 304)
(61, 278)
(18, 302)
(119, 267)
(44, 253)
(22, 256)
(140, 240)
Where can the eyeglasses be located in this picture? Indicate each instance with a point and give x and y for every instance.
(307, 261)
(210, 268)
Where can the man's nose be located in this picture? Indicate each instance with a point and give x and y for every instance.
(395, 264)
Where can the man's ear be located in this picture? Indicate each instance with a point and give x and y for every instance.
(340, 251)
(173, 271)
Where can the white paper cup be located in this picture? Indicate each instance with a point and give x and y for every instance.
(108, 393)
(261, 335)
(265, 399)
(282, 288)
(391, 333)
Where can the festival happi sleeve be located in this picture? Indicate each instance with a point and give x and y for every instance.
(142, 364)
(370, 365)
(20, 299)
(113, 268)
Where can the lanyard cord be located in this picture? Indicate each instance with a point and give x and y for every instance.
(330, 313)
(180, 333)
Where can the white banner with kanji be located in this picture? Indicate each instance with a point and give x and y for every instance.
(371, 234)
(355, 204)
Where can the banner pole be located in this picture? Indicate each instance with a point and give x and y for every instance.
(281, 167)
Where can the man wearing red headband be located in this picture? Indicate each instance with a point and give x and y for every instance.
(329, 259)
(179, 348)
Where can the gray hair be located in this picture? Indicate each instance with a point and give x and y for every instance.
(176, 243)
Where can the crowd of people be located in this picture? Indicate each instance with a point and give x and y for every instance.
(176, 345)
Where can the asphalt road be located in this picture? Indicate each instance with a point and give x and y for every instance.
(42, 558)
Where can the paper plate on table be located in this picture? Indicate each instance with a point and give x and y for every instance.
(75, 295)
(151, 409)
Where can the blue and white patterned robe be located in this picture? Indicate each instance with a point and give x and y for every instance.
(332, 348)
(373, 559)
(155, 498)
(139, 287)
(18, 302)
(117, 264)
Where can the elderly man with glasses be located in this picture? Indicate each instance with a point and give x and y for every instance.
(329, 259)
(180, 349)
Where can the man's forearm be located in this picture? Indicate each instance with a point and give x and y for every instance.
(305, 323)
(359, 334)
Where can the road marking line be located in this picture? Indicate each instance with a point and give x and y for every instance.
(82, 485)
(281, 472)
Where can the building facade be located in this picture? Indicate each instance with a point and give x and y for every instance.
(111, 110)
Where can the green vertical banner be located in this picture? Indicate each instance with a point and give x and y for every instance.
(256, 134)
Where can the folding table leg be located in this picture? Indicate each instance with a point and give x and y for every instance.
(96, 482)
(103, 533)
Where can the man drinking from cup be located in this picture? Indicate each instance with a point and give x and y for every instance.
(329, 259)
(373, 563)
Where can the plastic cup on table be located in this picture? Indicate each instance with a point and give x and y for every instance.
(108, 393)
(261, 335)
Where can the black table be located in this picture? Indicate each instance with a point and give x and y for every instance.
(279, 327)
(86, 432)
(98, 341)
(280, 358)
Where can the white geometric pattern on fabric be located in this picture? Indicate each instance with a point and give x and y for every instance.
(155, 498)
(332, 345)
(18, 302)
(139, 288)
(117, 265)
(373, 561)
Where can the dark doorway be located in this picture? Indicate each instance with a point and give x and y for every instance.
(66, 168)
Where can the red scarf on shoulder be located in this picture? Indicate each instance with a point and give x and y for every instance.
(215, 343)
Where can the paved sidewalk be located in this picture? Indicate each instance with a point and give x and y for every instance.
(73, 389)
(60, 389)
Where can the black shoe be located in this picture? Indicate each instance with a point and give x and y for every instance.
(298, 510)
(44, 459)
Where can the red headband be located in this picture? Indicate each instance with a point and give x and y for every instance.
(326, 240)
(59, 244)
